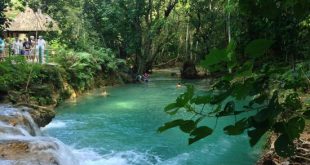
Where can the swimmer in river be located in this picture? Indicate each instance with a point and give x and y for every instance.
(104, 93)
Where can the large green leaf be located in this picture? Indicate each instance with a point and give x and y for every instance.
(293, 101)
(214, 57)
(255, 135)
(171, 124)
(279, 127)
(187, 126)
(307, 114)
(258, 47)
(201, 99)
(199, 133)
(222, 85)
(184, 98)
(241, 90)
(171, 106)
(237, 128)
(228, 109)
(295, 127)
(220, 97)
(283, 146)
(245, 70)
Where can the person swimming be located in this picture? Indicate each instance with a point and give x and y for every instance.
(104, 93)
(146, 77)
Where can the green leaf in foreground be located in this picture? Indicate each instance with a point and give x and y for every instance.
(295, 127)
(255, 135)
(307, 114)
(187, 126)
(284, 147)
(257, 48)
(170, 124)
(199, 133)
(236, 129)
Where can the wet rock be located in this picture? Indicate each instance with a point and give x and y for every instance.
(31, 151)
(42, 116)
(14, 121)
(22, 143)
(189, 70)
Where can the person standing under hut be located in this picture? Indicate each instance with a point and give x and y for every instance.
(41, 46)
(20, 47)
(2, 50)
(16, 46)
(32, 48)
(27, 47)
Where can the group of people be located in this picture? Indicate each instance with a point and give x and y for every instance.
(28, 47)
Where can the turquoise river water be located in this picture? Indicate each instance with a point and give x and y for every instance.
(121, 130)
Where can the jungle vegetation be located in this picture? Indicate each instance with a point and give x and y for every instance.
(257, 51)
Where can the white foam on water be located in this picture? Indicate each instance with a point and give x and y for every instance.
(55, 124)
(179, 159)
(90, 157)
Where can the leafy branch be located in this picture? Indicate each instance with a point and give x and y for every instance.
(269, 106)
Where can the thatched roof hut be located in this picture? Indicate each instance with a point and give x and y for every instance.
(29, 21)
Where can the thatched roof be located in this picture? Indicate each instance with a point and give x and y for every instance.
(32, 21)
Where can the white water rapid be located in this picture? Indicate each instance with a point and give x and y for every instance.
(22, 143)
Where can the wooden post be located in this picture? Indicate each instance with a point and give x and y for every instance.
(40, 55)
(46, 56)
(10, 51)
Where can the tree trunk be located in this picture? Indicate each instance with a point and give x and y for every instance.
(228, 24)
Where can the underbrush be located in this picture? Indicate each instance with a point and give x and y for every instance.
(69, 73)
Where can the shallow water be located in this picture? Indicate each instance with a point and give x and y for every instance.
(121, 130)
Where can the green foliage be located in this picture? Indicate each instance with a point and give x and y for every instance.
(14, 73)
(82, 67)
(272, 107)
(257, 48)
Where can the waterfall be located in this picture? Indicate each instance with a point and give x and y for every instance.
(22, 143)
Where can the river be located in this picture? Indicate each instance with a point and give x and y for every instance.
(121, 129)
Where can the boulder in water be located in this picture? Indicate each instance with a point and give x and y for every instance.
(22, 143)
(189, 70)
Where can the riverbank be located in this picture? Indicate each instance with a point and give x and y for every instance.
(43, 113)
(302, 152)
(301, 156)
